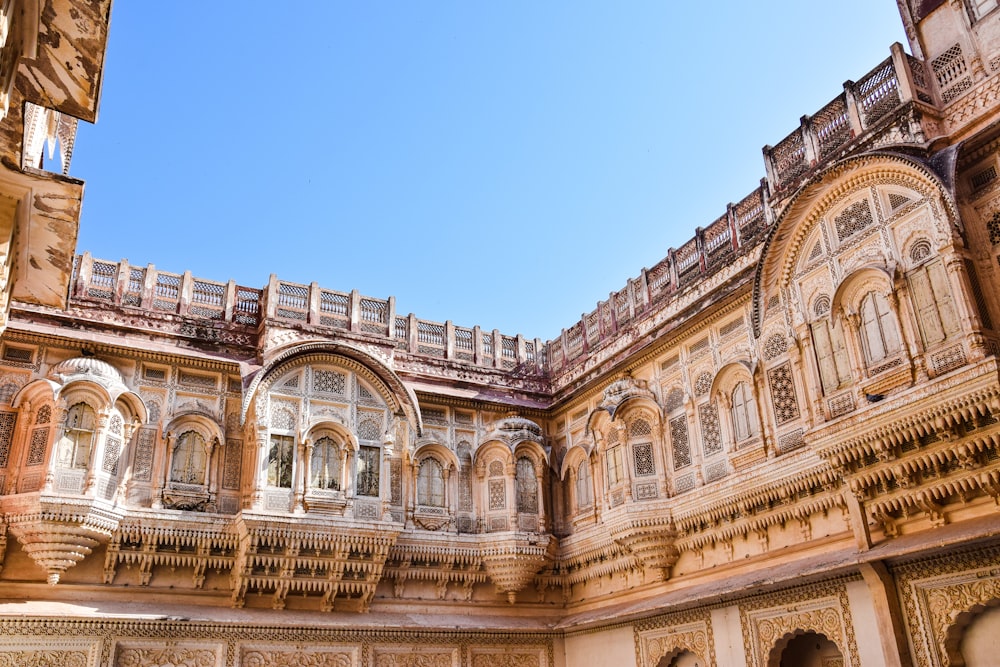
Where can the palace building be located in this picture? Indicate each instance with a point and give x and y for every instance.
(779, 446)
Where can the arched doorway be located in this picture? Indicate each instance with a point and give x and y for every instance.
(974, 640)
(806, 649)
(681, 658)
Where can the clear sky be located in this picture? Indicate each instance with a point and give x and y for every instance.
(506, 164)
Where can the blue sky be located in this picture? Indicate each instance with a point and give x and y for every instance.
(506, 164)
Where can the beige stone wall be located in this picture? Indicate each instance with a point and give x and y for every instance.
(609, 648)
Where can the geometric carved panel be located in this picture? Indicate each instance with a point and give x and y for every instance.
(142, 467)
(233, 464)
(786, 407)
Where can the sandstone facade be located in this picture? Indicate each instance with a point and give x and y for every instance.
(778, 446)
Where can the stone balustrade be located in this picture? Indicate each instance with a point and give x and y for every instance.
(151, 290)
(861, 110)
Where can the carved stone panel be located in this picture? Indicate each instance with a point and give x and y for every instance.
(76, 652)
(153, 653)
(820, 608)
(298, 655)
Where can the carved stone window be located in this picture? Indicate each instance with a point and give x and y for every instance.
(679, 442)
(526, 486)
(430, 483)
(745, 423)
(190, 459)
(279, 461)
(853, 219)
(584, 488)
(368, 471)
(933, 302)
(831, 354)
(981, 8)
(465, 476)
(615, 474)
(7, 420)
(786, 406)
(324, 465)
(711, 436)
(879, 336)
(78, 437)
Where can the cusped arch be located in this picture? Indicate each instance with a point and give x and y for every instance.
(436, 450)
(813, 199)
(205, 425)
(332, 425)
(574, 457)
(37, 391)
(399, 397)
(131, 404)
(855, 286)
(532, 450)
(729, 376)
(956, 632)
(493, 450)
(774, 658)
(682, 656)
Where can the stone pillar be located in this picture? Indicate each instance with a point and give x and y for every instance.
(810, 370)
(888, 614)
(303, 474)
(169, 443)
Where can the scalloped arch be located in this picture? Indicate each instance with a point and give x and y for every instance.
(396, 394)
(815, 197)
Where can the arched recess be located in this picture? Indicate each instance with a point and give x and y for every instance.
(398, 396)
(83, 445)
(644, 456)
(973, 639)
(682, 657)
(735, 391)
(805, 648)
(786, 240)
(494, 464)
(577, 476)
(434, 485)
(190, 481)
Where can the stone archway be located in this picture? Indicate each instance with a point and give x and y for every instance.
(682, 658)
(974, 639)
(805, 649)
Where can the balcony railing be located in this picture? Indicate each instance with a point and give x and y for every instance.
(862, 108)
(147, 288)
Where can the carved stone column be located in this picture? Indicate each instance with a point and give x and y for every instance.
(303, 476)
(888, 614)
(169, 442)
(959, 282)
(100, 432)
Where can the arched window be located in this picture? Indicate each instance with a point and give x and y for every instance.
(368, 471)
(879, 337)
(932, 300)
(324, 466)
(584, 489)
(279, 461)
(190, 458)
(616, 473)
(831, 354)
(430, 483)
(78, 437)
(526, 486)
(745, 423)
